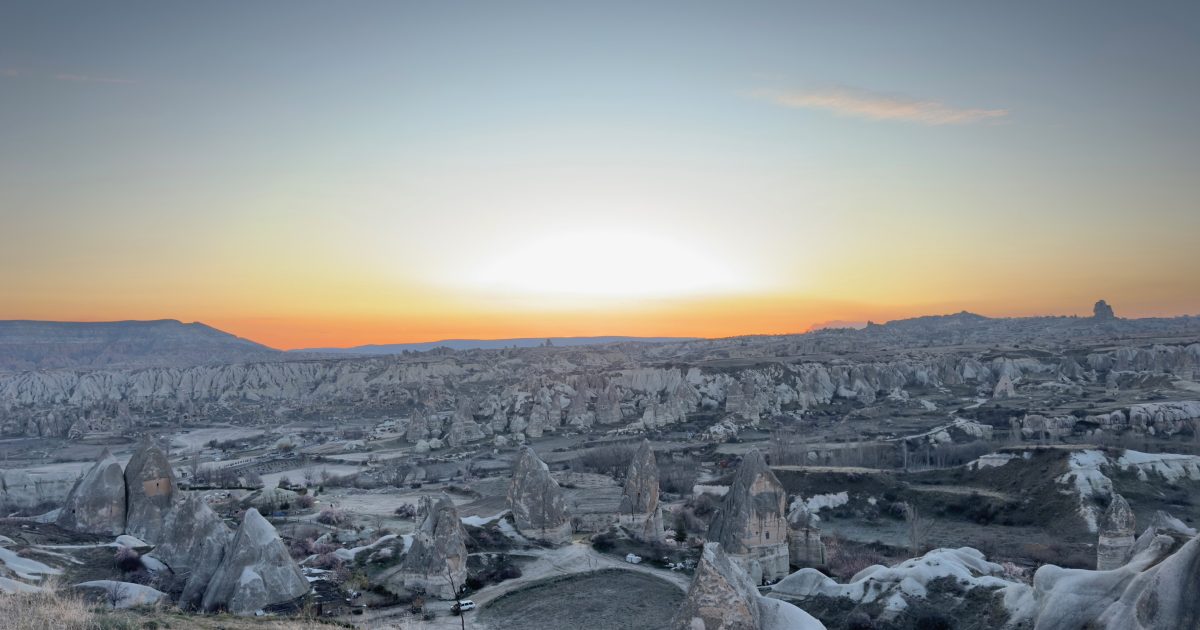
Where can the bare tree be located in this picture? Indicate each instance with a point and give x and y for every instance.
(457, 599)
(115, 593)
(919, 529)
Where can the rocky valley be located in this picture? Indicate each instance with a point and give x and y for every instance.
(948, 471)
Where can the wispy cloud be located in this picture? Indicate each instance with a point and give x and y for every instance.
(87, 78)
(875, 106)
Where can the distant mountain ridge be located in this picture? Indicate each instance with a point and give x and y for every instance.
(43, 345)
(484, 344)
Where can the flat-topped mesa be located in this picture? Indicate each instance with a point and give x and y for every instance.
(436, 564)
(194, 541)
(1117, 529)
(721, 597)
(640, 512)
(150, 493)
(256, 571)
(538, 505)
(752, 523)
(96, 504)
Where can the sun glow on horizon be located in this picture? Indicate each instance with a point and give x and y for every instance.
(606, 263)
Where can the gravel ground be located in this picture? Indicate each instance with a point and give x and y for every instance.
(604, 600)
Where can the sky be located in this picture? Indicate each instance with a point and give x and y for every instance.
(330, 174)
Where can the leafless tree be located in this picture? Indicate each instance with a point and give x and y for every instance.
(115, 593)
(457, 601)
(919, 529)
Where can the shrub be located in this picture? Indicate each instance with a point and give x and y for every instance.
(305, 502)
(407, 510)
(333, 517)
(604, 541)
(846, 558)
(859, 621)
(127, 559)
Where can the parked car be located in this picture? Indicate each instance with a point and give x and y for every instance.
(462, 606)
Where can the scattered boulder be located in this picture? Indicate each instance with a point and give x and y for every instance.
(256, 571)
(538, 505)
(194, 543)
(124, 594)
(96, 504)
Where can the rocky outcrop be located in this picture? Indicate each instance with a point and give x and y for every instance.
(1102, 312)
(418, 427)
(1155, 590)
(752, 522)
(436, 564)
(608, 406)
(640, 512)
(150, 493)
(577, 413)
(194, 541)
(96, 504)
(538, 505)
(256, 571)
(723, 597)
(805, 547)
(1004, 388)
(1117, 528)
(883, 591)
(463, 428)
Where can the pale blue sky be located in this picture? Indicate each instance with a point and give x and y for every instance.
(789, 135)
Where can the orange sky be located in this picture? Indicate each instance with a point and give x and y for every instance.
(416, 171)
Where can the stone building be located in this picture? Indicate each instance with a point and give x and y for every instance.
(752, 523)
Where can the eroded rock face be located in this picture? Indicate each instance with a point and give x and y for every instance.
(805, 546)
(639, 511)
(538, 505)
(256, 571)
(1155, 590)
(437, 561)
(418, 427)
(1116, 534)
(463, 427)
(721, 596)
(96, 504)
(752, 522)
(194, 541)
(150, 491)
